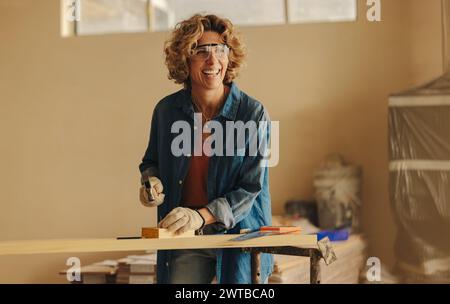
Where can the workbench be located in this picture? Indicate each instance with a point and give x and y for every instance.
(289, 244)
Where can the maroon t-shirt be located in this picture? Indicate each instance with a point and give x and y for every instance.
(195, 191)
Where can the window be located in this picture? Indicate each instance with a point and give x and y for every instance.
(122, 16)
(240, 12)
(307, 11)
(112, 16)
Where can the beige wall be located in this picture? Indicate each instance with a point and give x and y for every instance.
(75, 116)
(426, 40)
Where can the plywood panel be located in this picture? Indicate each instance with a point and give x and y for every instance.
(106, 245)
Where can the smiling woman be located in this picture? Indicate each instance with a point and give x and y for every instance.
(209, 193)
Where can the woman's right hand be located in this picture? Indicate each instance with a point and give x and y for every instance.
(156, 189)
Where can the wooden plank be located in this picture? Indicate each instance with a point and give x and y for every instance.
(162, 233)
(110, 245)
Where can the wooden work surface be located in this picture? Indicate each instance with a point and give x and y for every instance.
(109, 245)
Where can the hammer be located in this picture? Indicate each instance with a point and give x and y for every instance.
(148, 189)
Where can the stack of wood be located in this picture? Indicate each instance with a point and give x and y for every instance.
(351, 259)
(137, 269)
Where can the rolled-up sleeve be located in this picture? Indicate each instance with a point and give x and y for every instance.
(235, 205)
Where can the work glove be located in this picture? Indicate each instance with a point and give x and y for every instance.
(180, 220)
(156, 189)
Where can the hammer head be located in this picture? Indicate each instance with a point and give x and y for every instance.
(148, 188)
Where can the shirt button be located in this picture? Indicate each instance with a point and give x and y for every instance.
(180, 181)
(167, 264)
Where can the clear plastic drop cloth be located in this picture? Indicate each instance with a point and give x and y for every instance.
(419, 181)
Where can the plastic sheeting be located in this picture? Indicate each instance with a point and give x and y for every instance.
(419, 152)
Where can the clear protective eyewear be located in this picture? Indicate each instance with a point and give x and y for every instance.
(203, 52)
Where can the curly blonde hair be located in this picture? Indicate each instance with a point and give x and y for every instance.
(178, 49)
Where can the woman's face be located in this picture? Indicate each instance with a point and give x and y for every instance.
(208, 74)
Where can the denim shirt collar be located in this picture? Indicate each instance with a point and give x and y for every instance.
(229, 109)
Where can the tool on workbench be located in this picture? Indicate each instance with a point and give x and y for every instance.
(129, 237)
(334, 235)
(266, 231)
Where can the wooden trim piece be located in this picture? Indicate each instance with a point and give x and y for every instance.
(161, 233)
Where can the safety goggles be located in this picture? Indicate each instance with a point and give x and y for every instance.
(203, 52)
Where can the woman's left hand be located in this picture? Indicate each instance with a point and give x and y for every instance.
(181, 219)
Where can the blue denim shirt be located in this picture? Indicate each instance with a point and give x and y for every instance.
(237, 186)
